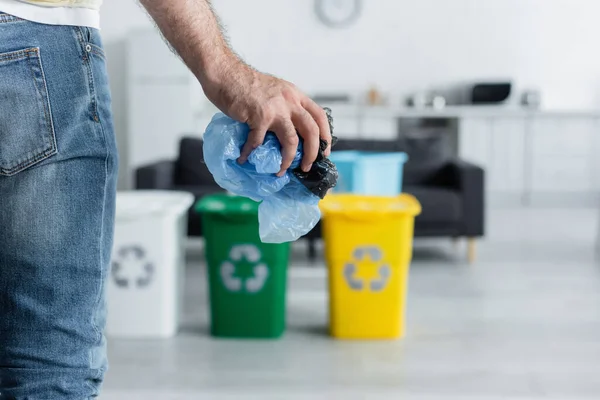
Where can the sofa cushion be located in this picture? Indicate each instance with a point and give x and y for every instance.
(191, 169)
(438, 204)
(428, 153)
(415, 174)
(427, 145)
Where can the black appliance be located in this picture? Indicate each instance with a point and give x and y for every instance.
(479, 93)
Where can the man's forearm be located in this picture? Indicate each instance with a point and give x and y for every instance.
(194, 32)
(264, 102)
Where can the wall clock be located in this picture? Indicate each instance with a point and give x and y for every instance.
(338, 13)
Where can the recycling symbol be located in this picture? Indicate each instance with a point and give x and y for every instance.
(130, 267)
(375, 255)
(251, 254)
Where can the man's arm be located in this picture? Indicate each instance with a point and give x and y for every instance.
(264, 102)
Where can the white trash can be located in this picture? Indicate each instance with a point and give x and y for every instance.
(145, 285)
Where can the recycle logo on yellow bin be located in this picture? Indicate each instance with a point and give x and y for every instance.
(362, 254)
(251, 254)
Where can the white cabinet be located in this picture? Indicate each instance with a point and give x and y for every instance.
(475, 141)
(596, 156)
(498, 146)
(562, 156)
(474, 144)
(507, 158)
(553, 136)
(536, 158)
(561, 175)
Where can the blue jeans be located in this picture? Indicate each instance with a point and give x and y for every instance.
(58, 168)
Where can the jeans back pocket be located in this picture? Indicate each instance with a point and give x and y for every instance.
(26, 129)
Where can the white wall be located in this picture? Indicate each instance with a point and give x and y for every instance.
(403, 45)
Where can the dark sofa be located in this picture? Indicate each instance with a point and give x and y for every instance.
(451, 191)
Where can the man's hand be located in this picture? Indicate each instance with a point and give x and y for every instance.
(270, 104)
(264, 102)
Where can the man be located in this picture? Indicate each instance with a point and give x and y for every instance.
(58, 168)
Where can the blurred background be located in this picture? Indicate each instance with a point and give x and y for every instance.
(496, 103)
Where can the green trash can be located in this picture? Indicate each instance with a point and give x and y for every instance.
(247, 278)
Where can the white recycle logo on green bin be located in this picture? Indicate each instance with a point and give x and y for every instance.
(360, 254)
(251, 254)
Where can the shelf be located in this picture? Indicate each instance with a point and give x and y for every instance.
(350, 111)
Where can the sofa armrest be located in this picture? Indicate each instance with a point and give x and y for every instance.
(159, 175)
(469, 180)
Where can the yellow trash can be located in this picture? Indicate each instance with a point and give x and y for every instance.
(368, 247)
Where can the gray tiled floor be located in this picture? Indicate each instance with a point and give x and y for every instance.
(521, 323)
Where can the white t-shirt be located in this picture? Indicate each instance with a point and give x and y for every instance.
(71, 14)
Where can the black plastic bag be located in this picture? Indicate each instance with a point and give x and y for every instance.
(323, 175)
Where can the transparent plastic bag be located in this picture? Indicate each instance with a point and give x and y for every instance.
(288, 209)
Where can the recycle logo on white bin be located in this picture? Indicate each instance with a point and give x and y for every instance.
(251, 254)
(361, 254)
(131, 267)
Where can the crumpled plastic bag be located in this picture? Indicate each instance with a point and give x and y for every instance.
(289, 204)
(323, 174)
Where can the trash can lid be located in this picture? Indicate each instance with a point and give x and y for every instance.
(370, 206)
(141, 203)
(223, 203)
(358, 156)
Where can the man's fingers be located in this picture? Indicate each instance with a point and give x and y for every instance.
(256, 137)
(309, 130)
(320, 116)
(289, 144)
